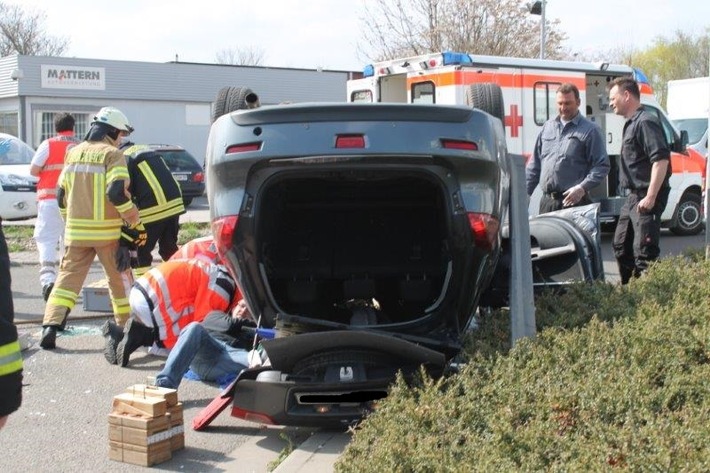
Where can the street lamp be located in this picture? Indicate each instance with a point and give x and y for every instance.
(538, 8)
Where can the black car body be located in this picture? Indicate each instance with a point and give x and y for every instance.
(185, 169)
(365, 235)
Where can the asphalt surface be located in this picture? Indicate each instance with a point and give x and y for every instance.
(63, 426)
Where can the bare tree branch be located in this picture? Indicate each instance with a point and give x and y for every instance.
(245, 56)
(22, 32)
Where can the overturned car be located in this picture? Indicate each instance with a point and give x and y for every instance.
(365, 235)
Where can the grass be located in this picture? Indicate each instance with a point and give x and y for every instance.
(19, 237)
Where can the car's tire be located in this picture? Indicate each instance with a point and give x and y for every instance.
(487, 97)
(230, 99)
(688, 216)
(187, 201)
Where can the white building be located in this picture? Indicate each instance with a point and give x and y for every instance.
(166, 102)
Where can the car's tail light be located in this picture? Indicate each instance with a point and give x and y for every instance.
(350, 141)
(459, 144)
(484, 229)
(244, 147)
(198, 177)
(223, 230)
(255, 417)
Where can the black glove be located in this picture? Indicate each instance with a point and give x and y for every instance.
(123, 258)
(134, 234)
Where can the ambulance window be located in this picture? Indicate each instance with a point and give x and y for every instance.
(423, 92)
(545, 101)
(361, 96)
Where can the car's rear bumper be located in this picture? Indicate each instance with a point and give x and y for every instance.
(284, 394)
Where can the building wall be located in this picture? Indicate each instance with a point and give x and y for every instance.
(165, 102)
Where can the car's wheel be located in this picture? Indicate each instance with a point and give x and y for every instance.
(688, 218)
(187, 201)
(230, 99)
(487, 97)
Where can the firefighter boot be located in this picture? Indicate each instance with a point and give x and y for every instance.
(49, 337)
(135, 335)
(113, 335)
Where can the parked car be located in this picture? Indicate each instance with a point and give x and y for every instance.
(364, 235)
(18, 189)
(185, 169)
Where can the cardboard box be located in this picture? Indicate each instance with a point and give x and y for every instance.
(140, 455)
(127, 403)
(145, 390)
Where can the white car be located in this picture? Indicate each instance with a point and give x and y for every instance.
(18, 188)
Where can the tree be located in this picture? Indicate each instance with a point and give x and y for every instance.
(398, 28)
(248, 56)
(22, 32)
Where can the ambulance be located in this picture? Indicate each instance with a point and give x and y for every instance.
(525, 99)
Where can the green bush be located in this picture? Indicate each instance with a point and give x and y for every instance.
(618, 378)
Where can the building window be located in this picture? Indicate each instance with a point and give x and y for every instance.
(8, 123)
(46, 125)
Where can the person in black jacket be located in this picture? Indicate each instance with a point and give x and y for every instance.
(10, 355)
(211, 348)
(157, 195)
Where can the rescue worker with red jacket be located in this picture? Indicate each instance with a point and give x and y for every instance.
(166, 299)
(93, 195)
(202, 248)
(158, 197)
(47, 163)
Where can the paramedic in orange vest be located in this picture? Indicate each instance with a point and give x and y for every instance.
(94, 199)
(201, 248)
(166, 299)
(46, 164)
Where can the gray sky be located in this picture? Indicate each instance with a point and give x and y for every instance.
(315, 33)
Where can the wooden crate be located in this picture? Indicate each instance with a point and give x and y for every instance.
(148, 455)
(146, 390)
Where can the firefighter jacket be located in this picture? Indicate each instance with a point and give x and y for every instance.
(184, 291)
(153, 188)
(202, 248)
(55, 149)
(89, 170)
(10, 355)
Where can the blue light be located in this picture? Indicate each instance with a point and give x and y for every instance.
(456, 58)
(369, 71)
(640, 76)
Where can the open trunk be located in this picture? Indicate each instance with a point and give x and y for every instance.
(354, 247)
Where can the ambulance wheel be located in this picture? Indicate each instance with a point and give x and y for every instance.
(230, 99)
(688, 218)
(487, 97)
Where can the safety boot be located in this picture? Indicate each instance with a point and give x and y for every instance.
(49, 337)
(135, 335)
(113, 335)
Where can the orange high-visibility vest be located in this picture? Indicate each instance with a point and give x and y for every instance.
(48, 176)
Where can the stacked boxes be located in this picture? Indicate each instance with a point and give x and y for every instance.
(145, 425)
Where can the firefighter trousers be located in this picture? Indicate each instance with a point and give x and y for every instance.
(74, 267)
(164, 233)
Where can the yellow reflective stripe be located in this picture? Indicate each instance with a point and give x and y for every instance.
(63, 297)
(117, 173)
(153, 182)
(89, 222)
(121, 306)
(92, 235)
(155, 213)
(141, 271)
(10, 358)
(125, 207)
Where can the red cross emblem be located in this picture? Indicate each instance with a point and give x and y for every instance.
(514, 121)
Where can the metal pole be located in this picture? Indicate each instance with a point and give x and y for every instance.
(542, 30)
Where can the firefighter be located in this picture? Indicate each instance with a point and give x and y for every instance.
(159, 199)
(166, 299)
(47, 163)
(10, 356)
(93, 196)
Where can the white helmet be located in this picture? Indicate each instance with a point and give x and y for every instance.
(113, 117)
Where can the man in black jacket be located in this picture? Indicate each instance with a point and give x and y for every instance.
(157, 195)
(211, 348)
(10, 356)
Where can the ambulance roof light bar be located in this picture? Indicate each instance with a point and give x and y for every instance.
(447, 59)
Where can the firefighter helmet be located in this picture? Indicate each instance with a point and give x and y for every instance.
(113, 117)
